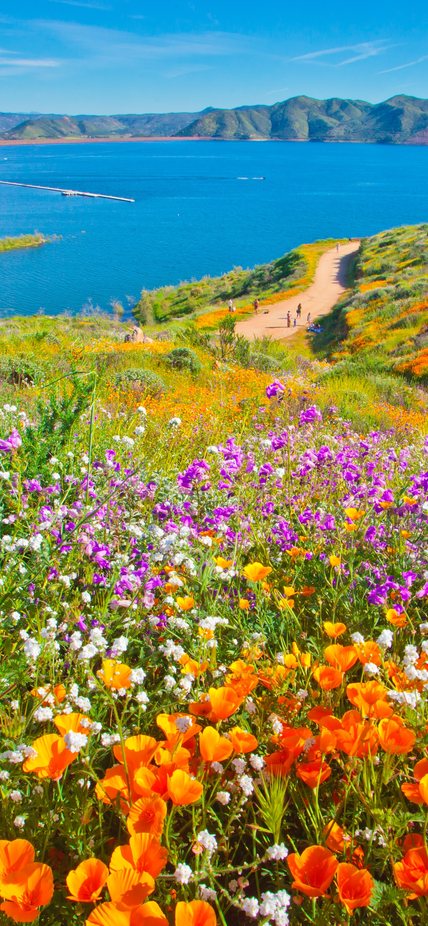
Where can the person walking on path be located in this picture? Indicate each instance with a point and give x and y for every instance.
(288, 320)
(308, 319)
(299, 310)
(231, 306)
(337, 246)
(256, 306)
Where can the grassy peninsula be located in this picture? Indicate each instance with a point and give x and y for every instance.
(22, 241)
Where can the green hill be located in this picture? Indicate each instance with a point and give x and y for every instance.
(400, 120)
(383, 323)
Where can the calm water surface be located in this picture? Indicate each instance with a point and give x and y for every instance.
(194, 214)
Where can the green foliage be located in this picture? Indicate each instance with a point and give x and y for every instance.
(182, 358)
(22, 241)
(141, 380)
(57, 416)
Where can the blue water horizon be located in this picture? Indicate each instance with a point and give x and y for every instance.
(200, 209)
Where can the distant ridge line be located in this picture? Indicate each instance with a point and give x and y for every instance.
(400, 120)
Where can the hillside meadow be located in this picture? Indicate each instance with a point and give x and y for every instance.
(213, 624)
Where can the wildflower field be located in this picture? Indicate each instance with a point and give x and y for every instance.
(214, 638)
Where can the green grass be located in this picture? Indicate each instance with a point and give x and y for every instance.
(22, 241)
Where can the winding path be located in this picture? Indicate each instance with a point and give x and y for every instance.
(318, 299)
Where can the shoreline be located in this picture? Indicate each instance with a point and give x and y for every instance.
(7, 143)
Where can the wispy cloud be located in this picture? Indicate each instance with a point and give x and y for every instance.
(362, 51)
(280, 90)
(30, 62)
(90, 4)
(401, 66)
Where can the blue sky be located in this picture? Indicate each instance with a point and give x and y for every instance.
(124, 56)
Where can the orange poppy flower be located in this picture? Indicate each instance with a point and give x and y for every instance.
(244, 604)
(242, 741)
(195, 913)
(114, 674)
(113, 914)
(224, 702)
(174, 736)
(113, 783)
(399, 619)
(213, 747)
(144, 853)
(182, 789)
(222, 562)
(334, 837)
(328, 677)
(334, 630)
(341, 657)
(411, 841)
(14, 855)
(147, 815)
(412, 872)
(395, 738)
(241, 677)
(192, 666)
(130, 887)
(58, 693)
(139, 750)
(295, 738)
(25, 891)
(366, 695)
(279, 763)
(71, 722)
(355, 886)
(308, 590)
(334, 560)
(51, 759)
(86, 882)
(356, 737)
(318, 713)
(412, 790)
(369, 652)
(313, 773)
(255, 572)
(185, 604)
(313, 870)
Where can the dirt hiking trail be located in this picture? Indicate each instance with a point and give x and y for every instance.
(318, 299)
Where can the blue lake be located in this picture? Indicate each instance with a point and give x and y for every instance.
(194, 214)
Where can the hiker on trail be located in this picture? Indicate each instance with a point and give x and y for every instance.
(337, 246)
(299, 310)
(256, 306)
(308, 319)
(288, 320)
(231, 306)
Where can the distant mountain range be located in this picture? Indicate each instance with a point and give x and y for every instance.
(400, 120)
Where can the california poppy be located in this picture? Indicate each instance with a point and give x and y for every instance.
(313, 870)
(333, 834)
(139, 750)
(417, 791)
(244, 604)
(357, 737)
(334, 630)
(185, 604)
(279, 763)
(366, 695)
(395, 738)
(224, 702)
(25, 891)
(182, 789)
(114, 674)
(144, 853)
(86, 882)
(328, 677)
(341, 657)
(175, 732)
(334, 560)
(412, 872)
(130, 887)
(147, 815)
(355, 886)
(114, 914)
(398, 618)
(213, 747)
(255, 572)
(14, 855)
(66, 723)
(195, 913)
(114, 783)
(51, 759)
(242, 741)
(369, 652)
(313, 773)
(58, 693)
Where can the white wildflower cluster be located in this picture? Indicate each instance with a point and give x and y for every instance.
(276, 724)
(409, 698)
(257, 762)
(411, 656)
(223, 797)
(183, 724)
(274, 906)
(110, 739)
(206, 893)
(246, 785)
(210, 623)
(250, 706)
(376, 835)
(370, 669)
(277, 852)
(75, 741)
(207, 841)
(357, 639)
(32, 648)
(172, 650)
(385, 639)
(250, 906)
(42, 714)
(183, 873)
(119, 646)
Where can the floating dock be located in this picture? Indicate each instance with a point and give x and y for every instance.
(55, 189)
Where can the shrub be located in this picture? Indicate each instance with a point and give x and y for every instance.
(182, 358)
(140, 380)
